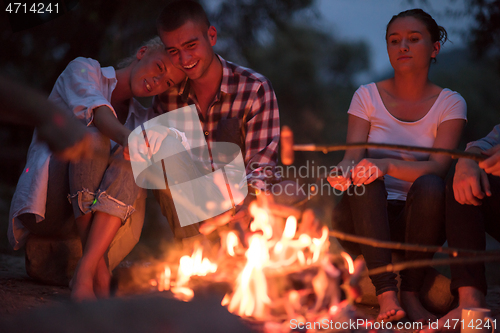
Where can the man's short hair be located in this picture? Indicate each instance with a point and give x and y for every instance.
(176, 13)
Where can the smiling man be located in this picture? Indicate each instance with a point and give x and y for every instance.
(234, 104)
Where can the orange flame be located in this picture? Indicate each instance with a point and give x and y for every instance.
(272, 247)
(349, 262)
(231, 242)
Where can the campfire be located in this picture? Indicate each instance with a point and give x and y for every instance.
(278, 272)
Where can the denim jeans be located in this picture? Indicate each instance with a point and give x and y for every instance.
(109, 177)
(466, 226)
(103, 182)
(419, 220)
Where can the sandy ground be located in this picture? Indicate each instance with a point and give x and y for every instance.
(19, 292)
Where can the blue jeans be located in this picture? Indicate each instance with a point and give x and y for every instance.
(466, 226)
(419, 220)
(104, 182)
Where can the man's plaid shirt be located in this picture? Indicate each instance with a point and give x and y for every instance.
(247, 96)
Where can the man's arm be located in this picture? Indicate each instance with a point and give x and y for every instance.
(492, 163)
(262, 132)
(470, 182)
(262, 138)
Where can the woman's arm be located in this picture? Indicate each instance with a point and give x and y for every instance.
(107, 123)
(448, 136)
(357, 131)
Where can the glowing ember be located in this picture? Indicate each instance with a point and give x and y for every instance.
(164, 283)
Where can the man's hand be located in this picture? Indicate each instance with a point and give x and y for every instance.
(492, 164)
(155, 136)
(242, 217)
(135, 149)
(470, 183)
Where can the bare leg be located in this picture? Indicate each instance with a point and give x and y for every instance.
(102, 279)
(103, 229)
(414, 309)
(83, 227)
(390, 310)
(468, 297)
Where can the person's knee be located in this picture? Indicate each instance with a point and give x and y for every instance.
(429, 186)
(375, 187)
(364, 194)
(98, 142)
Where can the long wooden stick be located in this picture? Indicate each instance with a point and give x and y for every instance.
(474, 256)
(405, 246)
(454, 153)
(432, 262)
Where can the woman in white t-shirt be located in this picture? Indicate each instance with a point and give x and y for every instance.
(400, 194)
(102, 190)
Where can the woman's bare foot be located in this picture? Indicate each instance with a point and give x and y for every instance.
(390, 310)
(82, 286)
(469, 297)
(102, 280)
(414, 309)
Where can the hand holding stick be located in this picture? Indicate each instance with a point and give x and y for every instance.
(288, 148)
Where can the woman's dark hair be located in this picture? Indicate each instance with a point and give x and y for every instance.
(438, 33)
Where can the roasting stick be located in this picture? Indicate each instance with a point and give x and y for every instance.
(288, 148)
(494, 256)
(454, 153)
(405, 246)
(474, 256)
